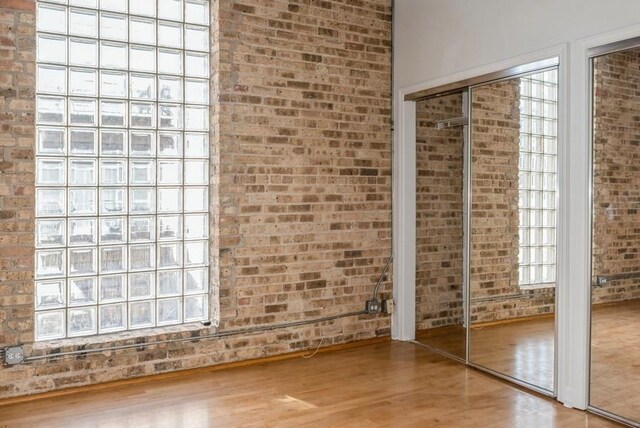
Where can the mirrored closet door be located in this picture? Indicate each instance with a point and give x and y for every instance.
(615, 287)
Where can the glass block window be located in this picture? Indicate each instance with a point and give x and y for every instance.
(122, 170)
(538, 178)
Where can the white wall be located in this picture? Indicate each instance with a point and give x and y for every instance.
(435, 38)
(443, 41)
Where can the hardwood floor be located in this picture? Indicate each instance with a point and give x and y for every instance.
(383, 385)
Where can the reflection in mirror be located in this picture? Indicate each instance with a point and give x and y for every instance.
(439, 222)
(615, 314)
(513, 227)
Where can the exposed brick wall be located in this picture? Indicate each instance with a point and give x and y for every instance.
(616, 239)
(301, 180)
(439, 213)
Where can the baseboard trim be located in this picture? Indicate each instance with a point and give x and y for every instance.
(512, 320)
(188, 372)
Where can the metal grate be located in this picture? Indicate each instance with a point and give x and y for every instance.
(538, 178)
(122, 115)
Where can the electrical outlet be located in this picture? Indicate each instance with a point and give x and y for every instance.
(388, 306)
(14, 355)
(372, 306)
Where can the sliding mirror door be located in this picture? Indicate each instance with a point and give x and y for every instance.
(615, 313)
(513, 227)
(440, 140)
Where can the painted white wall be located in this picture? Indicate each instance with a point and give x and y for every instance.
(443, 41)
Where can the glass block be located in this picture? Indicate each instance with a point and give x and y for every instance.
(141, 229)
(82, 142)
(549, 163)
(113, 143)
(548, 273)
(83, 82)
(141, 172)
(142, 58)
(169, 199)
(85, 3)
(51, 141)
(113, 26)
(196, 253)
(196, 199)
(536, 144)
(52, 79)
(142, 30)
(549, 218)
(170, 88)
(195, 308)
(112, 259)
(549, 182)
(82, 291)
(142, 285)
(113, 113)
(196, 91)
(82, 201)
(83, 231)
(196, 226)
(50, 233)
(141, 314)
(83, 52)
(52, 48)
(170, 9)
(116, 5)
(113, 55)
(196, 172)
(143, 86)
(83, 112)
(548, 236)
(196, 64)
(51, 110)
(170, 144)
(50, 171)
(169, 172)
(535, 199)
(535, 274)
(82, 172)
(196, 145)
(113, 84)
(113, 317)
(50, 294)
(52, 18)
(142, 115)
(50, 202)
(81, 321)
(196, 38)
(170, 116)
(141, 200)
(170, 34)
(535, 255)
(523, 255)
(548, 255)
(142, 143)
(170, 227)
(535, 218)
(196, 280)
(536, 181)
(113, 230)
(112, 201)
(169, 61)
(113, 288)
(169, 311)
(113, 172)
(550, 145)
(535, 237)
(83, 22)
(142, 7)
(196, 118)
(169, 255)
(549, 200)
(169, 283)
(523, 275)
(82, 261)
(50, 263)
(50, 325)
(196, 12)
(141, 257)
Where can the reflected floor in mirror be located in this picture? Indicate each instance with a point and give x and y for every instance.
(615, 358)
(521, 348)
(392, 384)
(450, 340)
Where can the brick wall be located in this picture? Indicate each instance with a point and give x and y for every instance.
(439, 215)
(616, 238)
(301, 180)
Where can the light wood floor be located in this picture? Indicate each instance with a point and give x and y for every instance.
(392, 384)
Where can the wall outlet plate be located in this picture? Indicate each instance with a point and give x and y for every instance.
(14, 355)
(372, 306)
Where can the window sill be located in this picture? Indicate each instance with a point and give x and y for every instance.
(535, 287)
(142, 337)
